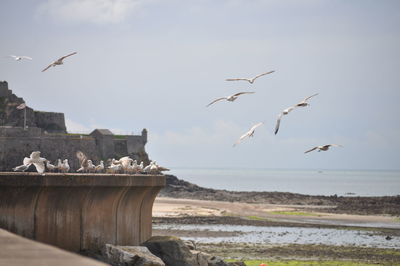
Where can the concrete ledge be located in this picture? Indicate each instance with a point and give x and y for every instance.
(79, 212)
(19, 251)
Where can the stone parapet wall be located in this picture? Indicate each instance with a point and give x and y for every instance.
(79, 212)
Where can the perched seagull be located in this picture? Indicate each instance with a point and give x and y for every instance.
(91, 167)
(21, 168)
(50, 167)
(99, 168)
(230, 98)
(159, 169)
(303, 103)
(324, 147)
(36, 160)
(147, 168)
(114, 168)
(64, 168)
(83, 162)
(140, 167)
(59, 164)
(19, 58)
(125, 162)
(251, 80)
(59, 61)
(249, 133)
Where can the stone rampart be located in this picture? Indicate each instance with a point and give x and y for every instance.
(79, 212)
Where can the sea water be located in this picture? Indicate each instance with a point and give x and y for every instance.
(310, 182)
(287, 235)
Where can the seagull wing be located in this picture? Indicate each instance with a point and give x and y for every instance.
(27, 161)
(263, 74)
(309, 97)
(65, 56)
(255, 126)
(235, 79)
(216, 100)
(278, 122)
(311, 149)
(244, 92)
(13, 56)
(83, 161)
(48, 67)
(334, 145)
(39, 167)
(241, 138)
(26, 57)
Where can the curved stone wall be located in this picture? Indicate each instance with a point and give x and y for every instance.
(79, 212)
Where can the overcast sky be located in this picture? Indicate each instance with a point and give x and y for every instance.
(156, 64)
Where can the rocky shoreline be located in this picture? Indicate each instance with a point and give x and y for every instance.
(387, 205)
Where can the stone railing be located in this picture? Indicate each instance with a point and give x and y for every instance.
(79, 212)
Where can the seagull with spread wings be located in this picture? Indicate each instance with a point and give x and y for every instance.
(278, 121)
(251, 80)
(36, 160)
(58, 62)
(324, 147)
(249, 133)
(303, 103)
(230, 98)
(20, 57)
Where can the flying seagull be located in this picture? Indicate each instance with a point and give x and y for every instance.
(278, 121)
(249, 133)
(324, 147)
(251, 80)
(20, 57)
(303, 103)
(59, 61)
(230, 98)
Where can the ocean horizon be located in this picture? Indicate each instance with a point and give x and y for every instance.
(324, 182)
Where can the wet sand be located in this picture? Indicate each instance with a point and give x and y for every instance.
(306, 214)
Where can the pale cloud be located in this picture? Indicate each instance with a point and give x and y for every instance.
(92, 11)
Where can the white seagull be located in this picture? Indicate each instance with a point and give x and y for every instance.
(50, 167)
(278, 121)
(20, 57)
(59, 61)
(64, 167)
(99, 168)
(251, 80)
(230, 98)
(36, 160)
(303, 103)
(83, 162)
(249, 133)
(324, 147)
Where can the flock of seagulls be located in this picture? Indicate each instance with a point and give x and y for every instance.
(124, 165)
(57, 62)
(250, 133)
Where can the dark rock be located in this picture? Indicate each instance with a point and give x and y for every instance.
(216, 261)
(236, 263)
(130, 256)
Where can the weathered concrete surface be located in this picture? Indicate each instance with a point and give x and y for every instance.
(18, 251)
(79, 212)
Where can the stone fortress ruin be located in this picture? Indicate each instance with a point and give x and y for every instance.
(20, 134)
